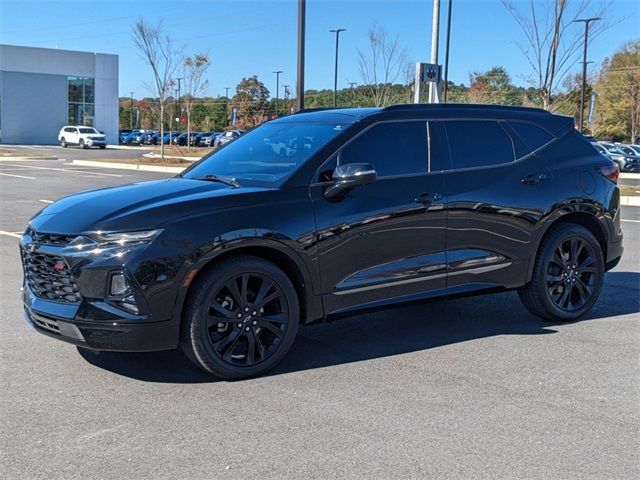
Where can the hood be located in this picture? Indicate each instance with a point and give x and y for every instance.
(140, 206)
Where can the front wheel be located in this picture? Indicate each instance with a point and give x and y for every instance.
(82, 144)
(241, 319)
(63, 143)
(567, 276)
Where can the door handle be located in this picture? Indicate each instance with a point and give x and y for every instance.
(427, 198)
(534, 178)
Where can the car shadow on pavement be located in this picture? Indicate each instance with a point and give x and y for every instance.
(384, 333)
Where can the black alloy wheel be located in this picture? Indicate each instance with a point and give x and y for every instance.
(241, 319)
(568, 275)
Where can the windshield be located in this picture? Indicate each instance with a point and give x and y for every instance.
(88, 130)
(269, 153)
(600, 148)
(627, 150)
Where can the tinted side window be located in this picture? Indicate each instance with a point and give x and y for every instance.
(438, 147)
(475, 143)
(533, 135)
(395, 148)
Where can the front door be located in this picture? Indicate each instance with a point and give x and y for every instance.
(386, 239)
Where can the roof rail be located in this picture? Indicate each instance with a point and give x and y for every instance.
(461, 106)
(315, 109)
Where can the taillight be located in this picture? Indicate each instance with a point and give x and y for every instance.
(612, 172)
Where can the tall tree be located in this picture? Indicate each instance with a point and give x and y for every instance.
(252, 100)
(552, 39)
(381, 65)
(194, 70)
(618, 95)
(494, 87)
(157, 49)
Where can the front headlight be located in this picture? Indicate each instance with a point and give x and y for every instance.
(107, 239)
(103, 242)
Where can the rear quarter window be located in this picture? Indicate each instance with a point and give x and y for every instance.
(532, 135)
(478, 143)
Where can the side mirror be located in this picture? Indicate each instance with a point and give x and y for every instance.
(346, 177)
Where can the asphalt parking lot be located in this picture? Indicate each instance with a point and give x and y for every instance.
(465, 388)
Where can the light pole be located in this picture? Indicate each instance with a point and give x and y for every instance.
(435, 32)
(277, 72)
(446, 53)
(226, 91)
(179, 109)
(586, 21)
(300, 78)
(335, 73)
(131, 112)
(351, 84)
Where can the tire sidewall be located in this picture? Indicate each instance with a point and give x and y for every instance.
(197, 312)
(559, 236)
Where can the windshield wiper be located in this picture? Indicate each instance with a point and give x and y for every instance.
(217, 178)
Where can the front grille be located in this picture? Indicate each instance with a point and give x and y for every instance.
(48, 276)
(50, 238)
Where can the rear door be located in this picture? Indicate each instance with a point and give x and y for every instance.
(384, 240)
(497, 191)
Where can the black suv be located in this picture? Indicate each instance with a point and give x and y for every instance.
(322, 213)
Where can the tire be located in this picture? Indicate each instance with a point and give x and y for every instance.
(82, 145)
(63, 143)
(217, 341)
(102, 147)
(567, 275)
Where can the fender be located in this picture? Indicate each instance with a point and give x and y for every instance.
(247, 238)
(587, 206)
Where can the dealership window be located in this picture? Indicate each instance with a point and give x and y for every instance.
(81, 94)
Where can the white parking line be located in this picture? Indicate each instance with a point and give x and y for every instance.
(10, 234)
(627, 220)
(67, 170)
(45, 201)
(17, 176)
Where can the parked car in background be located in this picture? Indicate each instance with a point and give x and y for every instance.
(627, 163)
(635, 148)
(152, 138)
(626, 149)
(82, 136)
(200, 138)
(169, 136)
(122, 133)
(367, 208)
(181, 139)
(228, 136)
(210, 140)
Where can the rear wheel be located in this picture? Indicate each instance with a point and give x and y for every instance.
(241, 318)
(63, 143)
(567, 276)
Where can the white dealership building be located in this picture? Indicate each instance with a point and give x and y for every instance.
(42, 90)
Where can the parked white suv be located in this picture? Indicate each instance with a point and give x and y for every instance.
(82, 136)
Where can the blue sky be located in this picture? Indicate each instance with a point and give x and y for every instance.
(245, 38)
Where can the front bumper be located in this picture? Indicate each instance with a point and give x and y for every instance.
(96, 143)
(52, 319)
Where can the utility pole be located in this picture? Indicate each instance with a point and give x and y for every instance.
(435, 33)
(584, 66)
(131, 112)
(335, 76)
(179, 109)
(300, 82)
(277, 72)
(446, 52)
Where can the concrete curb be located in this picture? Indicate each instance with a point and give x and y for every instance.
(128, 166)
(155, 155)
(630, 175)
(630, 201)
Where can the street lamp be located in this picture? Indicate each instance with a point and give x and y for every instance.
(335, 76)
(586, 21)
(131, 112)
(277, 72)
(226, 91)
